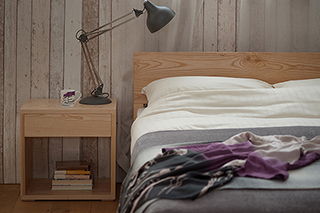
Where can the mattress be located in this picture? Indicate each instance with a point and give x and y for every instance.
(198, 115)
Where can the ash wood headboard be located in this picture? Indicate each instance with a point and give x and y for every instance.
(272, 67)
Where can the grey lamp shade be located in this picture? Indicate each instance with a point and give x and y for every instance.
(158, 16)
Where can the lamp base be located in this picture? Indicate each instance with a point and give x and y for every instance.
(95, 100)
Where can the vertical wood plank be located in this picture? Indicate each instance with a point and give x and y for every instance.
(56, 72)
(288, 26)
(314, 26)
(90, 21)
(10, 69)
(105, 73)
(227, 25)
(40, 76)
(257, 26)
(72, 66)
(283, 26)
(198, 28)
(118, 66)
(299, 23)
(243, 26)
(57, 26)
(210, 25)
(185, 31)
(105, 45)
(271, 26)
(167, 36)
(2, 3)
(23, 67)
(125, 108)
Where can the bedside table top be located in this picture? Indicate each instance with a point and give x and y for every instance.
(46, 105)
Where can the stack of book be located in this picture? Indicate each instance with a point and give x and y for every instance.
(72, 175)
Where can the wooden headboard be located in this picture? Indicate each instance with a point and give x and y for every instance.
(266, 66)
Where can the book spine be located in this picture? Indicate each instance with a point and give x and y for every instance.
(72, 182)
(71, 177)
(72, 172)
(72, 165)
(75, 187)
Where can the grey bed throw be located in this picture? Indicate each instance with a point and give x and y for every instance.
(241, 194)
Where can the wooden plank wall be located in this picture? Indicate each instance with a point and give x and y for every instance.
(39, 56)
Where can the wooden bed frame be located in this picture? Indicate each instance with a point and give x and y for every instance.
(266, 66)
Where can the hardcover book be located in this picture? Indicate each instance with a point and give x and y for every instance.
(72, 165)
(71, 177)
(72, 187)
(72, 172)
(72, 182)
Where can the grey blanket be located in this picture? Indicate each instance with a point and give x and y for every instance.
(303, 183)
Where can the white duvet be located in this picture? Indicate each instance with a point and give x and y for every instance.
(230, 108)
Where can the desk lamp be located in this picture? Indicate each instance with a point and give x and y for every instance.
(158, 17)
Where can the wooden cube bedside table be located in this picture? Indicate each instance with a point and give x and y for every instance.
(47, 118)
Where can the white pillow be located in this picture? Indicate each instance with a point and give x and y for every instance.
(298, 83)
(166, 86)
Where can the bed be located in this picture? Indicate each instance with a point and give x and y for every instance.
(224, 132)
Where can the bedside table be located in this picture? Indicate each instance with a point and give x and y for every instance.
(47, 118)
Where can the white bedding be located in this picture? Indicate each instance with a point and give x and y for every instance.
(230, 108)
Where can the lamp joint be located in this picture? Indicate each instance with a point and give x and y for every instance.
(138, 12)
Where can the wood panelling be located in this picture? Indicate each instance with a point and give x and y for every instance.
(39, 56)
(72, 67)
(2, 15)
(56, 72)
(90, 21)
(9, 92)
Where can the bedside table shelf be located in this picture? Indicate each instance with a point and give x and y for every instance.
(47, 118)
(40, 189)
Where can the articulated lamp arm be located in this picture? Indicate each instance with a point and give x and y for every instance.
(158, 17)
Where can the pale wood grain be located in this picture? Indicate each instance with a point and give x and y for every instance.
(227, 25)
(46, 117)
(40, 73)
(283, 32)
(105, 73)
(72, 48)
(271, 26)
(257, 26)
(58, 125)
(299, 20)
(314, 26)
(270, 67)
(131, 44)
(9, 92)
(1, 85)
(243, 26)
(56, 72)
(198, 28)
(119, 68)
(23, 67)
(210, 25)
(57, 26)
(90, 21)
(105, 9)
(72, 66)
(284, 36)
